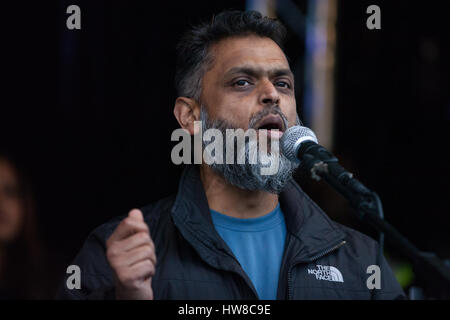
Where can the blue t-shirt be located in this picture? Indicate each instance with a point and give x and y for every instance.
(258, 244)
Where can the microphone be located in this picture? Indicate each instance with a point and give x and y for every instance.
(299, 144)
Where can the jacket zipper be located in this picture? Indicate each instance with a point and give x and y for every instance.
(231, 256)
(320, 255)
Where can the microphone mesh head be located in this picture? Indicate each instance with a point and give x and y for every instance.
(292, 139)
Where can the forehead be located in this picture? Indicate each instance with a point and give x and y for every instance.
(255, 51)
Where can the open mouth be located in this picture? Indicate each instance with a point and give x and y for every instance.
(271, 122)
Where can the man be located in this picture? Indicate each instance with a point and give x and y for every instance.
(231, 232)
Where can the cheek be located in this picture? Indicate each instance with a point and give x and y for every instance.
(236, 110)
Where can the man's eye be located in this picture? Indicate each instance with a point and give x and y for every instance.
(283, 84)
(241, 83)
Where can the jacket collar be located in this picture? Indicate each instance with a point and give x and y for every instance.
(305, 221)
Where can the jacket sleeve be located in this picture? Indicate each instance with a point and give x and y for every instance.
(96, 277)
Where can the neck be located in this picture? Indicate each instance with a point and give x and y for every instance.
(233, 201)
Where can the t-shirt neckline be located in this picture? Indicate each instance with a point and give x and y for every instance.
(265, 222)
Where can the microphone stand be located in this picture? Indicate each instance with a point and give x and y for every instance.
(432, 274)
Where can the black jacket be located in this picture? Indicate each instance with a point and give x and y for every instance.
(195, 263)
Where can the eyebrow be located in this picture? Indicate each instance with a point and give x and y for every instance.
(255, 72)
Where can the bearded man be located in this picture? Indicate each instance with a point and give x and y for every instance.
(231, 232)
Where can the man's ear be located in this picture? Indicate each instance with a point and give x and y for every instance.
(187, 110)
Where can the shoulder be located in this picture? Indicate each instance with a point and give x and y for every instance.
(155, 211)
(151, 212)
(358, 239)
(359, 245)
(96, 240)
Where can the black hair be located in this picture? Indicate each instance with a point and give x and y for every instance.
(193, 56)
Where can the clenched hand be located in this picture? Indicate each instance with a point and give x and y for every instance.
(131, 254)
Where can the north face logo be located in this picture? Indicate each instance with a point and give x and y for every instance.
(328, 273)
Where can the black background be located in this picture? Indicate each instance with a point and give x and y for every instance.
(89, 112)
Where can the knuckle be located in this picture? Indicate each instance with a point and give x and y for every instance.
(152, 268)
(145, 227)
(127, 222)
(143, 236)
(148, 267)
(144, 251)
(149, 251)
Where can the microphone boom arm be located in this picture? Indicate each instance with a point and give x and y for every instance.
(432, 273)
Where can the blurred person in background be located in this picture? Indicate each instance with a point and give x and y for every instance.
(22, 259)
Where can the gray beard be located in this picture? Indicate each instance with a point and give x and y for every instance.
(248, 176)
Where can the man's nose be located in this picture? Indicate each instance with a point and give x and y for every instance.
(269, 94)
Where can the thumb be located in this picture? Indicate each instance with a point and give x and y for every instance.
(137, 214)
